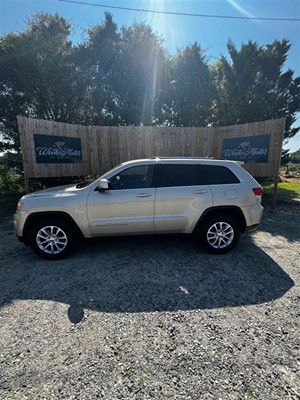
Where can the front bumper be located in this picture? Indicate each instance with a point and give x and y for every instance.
(252, 227)
(19, 219)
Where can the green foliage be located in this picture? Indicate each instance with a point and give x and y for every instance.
(295, 157)
(126, 77)
(8, 204)
(290, 170)
(190, 94)
(285, 157)
(39, 77)
(143, 76)
(11, 189)
(294, 170)
(11, 183)
(251, 86)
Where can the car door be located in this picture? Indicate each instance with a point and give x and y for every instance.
(180, 197)
(127, 207)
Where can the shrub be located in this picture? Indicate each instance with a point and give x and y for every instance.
(11, 183)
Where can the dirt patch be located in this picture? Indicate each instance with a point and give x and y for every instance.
(153, 317)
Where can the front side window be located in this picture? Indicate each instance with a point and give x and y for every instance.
(137, 177)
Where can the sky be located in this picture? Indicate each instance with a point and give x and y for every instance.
(211, 33)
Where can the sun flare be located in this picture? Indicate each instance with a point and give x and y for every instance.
(241, 9)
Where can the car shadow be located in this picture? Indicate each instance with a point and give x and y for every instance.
(144, 274)
(284, 221)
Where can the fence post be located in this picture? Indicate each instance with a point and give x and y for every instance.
(275, 191)
(27, 185)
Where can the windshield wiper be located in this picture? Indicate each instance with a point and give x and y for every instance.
(82, 184)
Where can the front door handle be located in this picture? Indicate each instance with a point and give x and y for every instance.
(201, 191)
(143, 195)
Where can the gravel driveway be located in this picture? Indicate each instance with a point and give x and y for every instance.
(154, 317)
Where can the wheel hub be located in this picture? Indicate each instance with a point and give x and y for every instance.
(220, 235)
(51, 239)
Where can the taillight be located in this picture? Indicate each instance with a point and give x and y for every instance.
(258, 191)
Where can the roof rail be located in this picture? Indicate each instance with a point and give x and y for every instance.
(183, 157)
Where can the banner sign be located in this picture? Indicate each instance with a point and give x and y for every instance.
(250, 149)
(57, 149)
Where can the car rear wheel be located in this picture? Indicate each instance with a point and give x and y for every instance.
(52, 240)
(220, 234)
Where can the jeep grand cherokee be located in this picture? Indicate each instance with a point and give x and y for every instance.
(215, 199)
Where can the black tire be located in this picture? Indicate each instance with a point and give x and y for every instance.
(220, 234)
(52, 239)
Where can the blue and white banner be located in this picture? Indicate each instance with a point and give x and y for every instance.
(57, 149)
(249, 149)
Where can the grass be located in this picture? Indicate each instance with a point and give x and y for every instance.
(286, 190)
(8, 204)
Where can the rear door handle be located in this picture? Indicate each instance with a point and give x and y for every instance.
(143, 195)
(201, 191)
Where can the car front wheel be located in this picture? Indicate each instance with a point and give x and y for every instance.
(52, 240)
(220, 234)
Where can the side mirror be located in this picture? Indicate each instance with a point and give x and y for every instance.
(103, 185)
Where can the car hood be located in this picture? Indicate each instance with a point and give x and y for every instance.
(56, 191)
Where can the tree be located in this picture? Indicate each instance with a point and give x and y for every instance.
(285, 157)
(190, 94)
(295, 157)
(126, 77)
(251, 86)
(100, 59)
(39, 77)
(126, 70)
(143, 76)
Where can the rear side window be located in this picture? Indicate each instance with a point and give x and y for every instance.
(168, 175)
(217, 175)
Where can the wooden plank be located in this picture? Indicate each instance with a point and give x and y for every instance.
(105, 147)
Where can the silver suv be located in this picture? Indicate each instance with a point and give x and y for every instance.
(215, 199)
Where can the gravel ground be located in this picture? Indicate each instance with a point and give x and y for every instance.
(153, 317)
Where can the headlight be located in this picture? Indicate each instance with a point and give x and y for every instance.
(20, 206)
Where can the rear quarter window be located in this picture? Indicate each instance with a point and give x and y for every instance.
(217, 175)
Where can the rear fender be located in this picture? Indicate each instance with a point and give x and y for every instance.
(233, 211)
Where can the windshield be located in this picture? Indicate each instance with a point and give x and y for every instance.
(88, 180)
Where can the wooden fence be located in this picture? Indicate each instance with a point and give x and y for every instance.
(104, 147)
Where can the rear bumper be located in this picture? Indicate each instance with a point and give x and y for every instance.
(253, 215)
